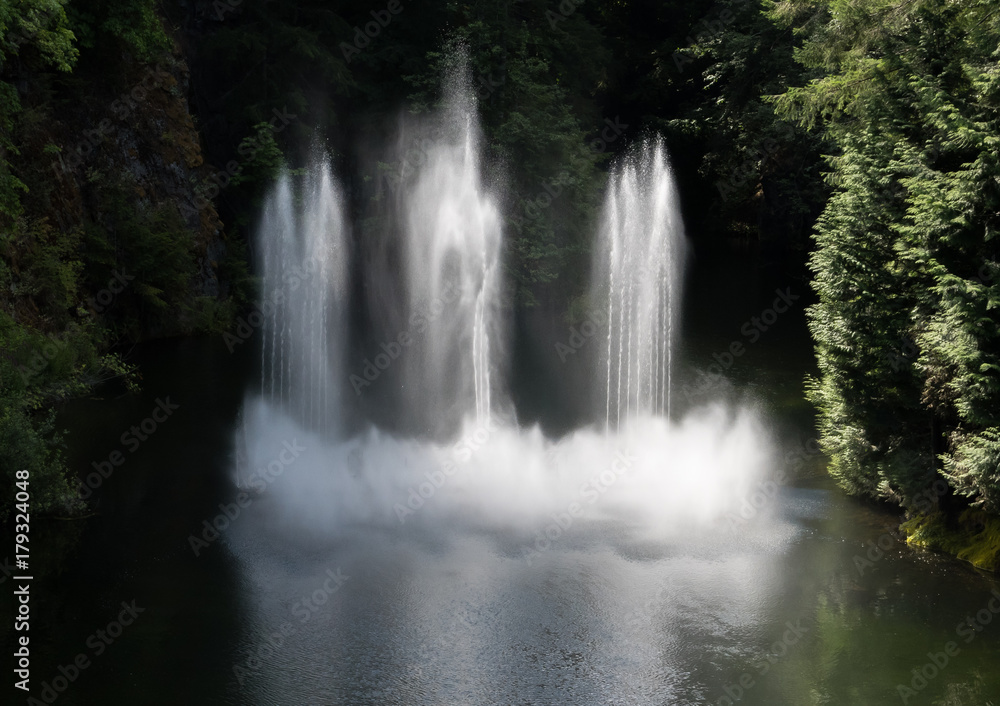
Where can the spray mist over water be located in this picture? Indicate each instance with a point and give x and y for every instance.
(652, 475)
(642, 469)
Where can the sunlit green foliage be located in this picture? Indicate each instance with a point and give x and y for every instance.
(907, 260)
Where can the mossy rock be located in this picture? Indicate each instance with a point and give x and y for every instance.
(974, 537)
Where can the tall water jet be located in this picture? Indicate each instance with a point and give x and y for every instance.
(451, 244)
(303, 260)
(638, 271)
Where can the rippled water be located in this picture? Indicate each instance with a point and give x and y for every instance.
(604, 617)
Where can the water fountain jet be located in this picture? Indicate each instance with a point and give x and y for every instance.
(638, 271)
(451, 244)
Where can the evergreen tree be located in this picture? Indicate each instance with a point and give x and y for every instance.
(906, 266)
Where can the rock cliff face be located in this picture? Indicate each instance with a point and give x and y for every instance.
(154, 145)
(116, 147)
(106, 235)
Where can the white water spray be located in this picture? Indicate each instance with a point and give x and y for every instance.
(644, 469)
(638, 271)
(452, 238)
(303, 258)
